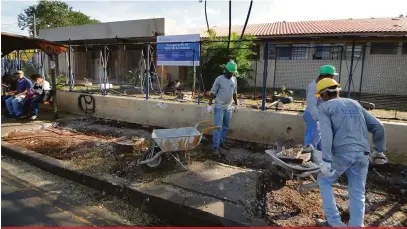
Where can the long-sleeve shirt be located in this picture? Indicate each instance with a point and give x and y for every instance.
(224, 89)
(345, 125)
(312, 100)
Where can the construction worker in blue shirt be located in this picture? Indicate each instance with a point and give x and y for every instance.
(312, 135)
(345, 127)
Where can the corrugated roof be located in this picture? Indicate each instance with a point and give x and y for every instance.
(344, 26)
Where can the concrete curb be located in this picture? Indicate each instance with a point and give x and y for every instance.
(161, 199)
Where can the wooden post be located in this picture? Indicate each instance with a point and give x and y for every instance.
(54, 86)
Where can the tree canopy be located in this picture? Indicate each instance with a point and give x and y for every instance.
(51, 13)
(215, 54)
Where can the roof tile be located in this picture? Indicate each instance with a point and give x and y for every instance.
(346, 26)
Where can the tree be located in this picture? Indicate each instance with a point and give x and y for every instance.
(215, 54)
(49, 14)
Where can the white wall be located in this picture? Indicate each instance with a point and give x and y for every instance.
(247, 124)
(121, 29)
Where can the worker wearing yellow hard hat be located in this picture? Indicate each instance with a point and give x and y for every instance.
(312, 134)
(344, 126)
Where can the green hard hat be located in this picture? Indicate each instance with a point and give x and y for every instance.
(231, 66)
(327, 70)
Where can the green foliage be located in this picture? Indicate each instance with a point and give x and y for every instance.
(215, 54)
(49, 14)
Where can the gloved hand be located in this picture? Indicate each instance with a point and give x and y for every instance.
(326, 169)
(209, 109)
(234, 108)
(378, 158)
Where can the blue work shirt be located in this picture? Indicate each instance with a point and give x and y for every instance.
(312, 101)
(345, 125)
(23, 85)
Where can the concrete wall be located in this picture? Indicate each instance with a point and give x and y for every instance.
(121, 29)
(383, 74)
(247, 124)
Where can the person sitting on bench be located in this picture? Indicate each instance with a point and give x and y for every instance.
(40, 93)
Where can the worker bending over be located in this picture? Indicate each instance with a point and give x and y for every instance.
(344, 126)
(224, 90)
(312, 136)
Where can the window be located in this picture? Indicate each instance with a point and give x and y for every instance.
(299, 52)
(272, 52)
(321, 52)
(383, 48)
(284, 52)
(404, 49)
(357, 53)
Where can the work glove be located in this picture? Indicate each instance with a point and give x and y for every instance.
(326, 169)
(316, 156)
(209, 109)
(378, 158)
(234, 108)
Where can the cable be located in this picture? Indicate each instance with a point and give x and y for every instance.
(247, 19)
(230, 22)
(206, 17)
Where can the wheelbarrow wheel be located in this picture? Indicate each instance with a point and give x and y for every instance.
(150, 153)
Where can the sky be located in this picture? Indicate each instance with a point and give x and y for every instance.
(190, 13)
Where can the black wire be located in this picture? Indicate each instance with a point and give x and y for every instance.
(206, 17)
(247, 19)
(230, 21)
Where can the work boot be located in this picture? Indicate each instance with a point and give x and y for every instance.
(225, 146)
(308, 148)
(324, 223)
(216, 152)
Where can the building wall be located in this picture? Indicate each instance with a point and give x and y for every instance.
(379, 72)
(121, 29)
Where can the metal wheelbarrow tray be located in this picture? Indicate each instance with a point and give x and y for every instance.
(298, 172)
(173, 140)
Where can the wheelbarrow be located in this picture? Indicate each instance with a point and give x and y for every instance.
(299, 172)
(172, 141)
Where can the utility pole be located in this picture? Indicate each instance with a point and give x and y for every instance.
(35, 27)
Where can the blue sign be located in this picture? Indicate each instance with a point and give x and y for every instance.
(184, 52)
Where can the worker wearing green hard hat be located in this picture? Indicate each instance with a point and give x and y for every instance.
(224, 90)
(312, 135)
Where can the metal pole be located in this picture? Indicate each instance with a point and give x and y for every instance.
(340, 63)
(104, 69)
(199, 86)
(275, 69)
(147, 71)
(351, 68)
(263, 98)
(361, 71)
(255, 81)
(194, 73)
(54, 87)
(35, 26)
(69, 66)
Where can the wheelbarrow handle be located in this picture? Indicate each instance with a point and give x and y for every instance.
(206, 130)
(202, 122)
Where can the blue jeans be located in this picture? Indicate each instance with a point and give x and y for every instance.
(312, 134)
(355, 165)
(3, 100)
(34, 104)
(14, 106)
(222, 118)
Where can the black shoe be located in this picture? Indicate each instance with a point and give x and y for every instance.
(225, 146)
(21, 117)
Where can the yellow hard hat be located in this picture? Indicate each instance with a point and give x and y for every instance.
(324, 84)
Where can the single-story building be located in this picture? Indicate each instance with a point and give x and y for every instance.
(297, 49)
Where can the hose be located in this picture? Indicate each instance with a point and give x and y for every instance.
(247, 19)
